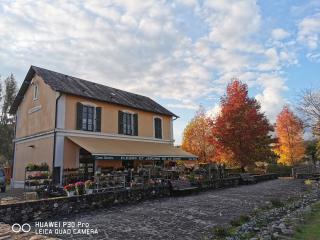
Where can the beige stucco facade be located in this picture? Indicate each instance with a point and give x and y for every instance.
(70, 154)
(109, 117)
(32, 151)
(36, 115)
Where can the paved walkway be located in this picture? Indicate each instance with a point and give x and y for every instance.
(190, 217)
(17, 194)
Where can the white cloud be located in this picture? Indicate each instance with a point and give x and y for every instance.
(215, 111)
(189, 3)
(183, 106)
(272, 60)
(279, 34)
(309, 30)
(232, 22)
(139, 46)
(270, 98)
(314, 57)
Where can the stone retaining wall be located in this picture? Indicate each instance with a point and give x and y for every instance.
(48, 208)
(265, 177)
(36, 210)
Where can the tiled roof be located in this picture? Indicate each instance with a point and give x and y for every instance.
(79, 87)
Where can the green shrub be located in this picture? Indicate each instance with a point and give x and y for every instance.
(280, 169)
(220, 232)
(36, 167)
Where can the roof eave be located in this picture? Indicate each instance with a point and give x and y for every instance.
(22, 91)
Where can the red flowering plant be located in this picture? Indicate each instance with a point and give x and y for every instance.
(79, 187)
(69, 188)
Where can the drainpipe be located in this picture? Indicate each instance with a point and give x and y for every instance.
(14, 151)
(55, 133)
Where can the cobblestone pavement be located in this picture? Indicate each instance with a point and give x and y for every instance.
(190, 217)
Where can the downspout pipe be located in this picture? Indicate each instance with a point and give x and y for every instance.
(55, 133)
(14, 151)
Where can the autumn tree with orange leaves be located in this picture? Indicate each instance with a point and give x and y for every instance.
(196, 137)
(241, 132)
(289, 130)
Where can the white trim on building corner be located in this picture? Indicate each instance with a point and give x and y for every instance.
(79, 133)
(34, 137)
(61, 112)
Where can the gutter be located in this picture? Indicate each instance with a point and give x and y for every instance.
(55, 133)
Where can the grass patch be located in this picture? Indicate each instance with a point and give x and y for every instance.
(239, 221)
(311, 229)
(277, 203)
(221, 232)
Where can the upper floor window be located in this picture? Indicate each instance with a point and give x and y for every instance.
(88, 118)
(157, 127)
(35, 91)
(128, 123)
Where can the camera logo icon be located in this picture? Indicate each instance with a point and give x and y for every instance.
(17, 228)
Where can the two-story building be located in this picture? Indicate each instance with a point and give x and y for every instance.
(68, 123)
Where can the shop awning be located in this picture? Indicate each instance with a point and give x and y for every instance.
(111, 149)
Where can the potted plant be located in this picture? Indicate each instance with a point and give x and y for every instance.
(70, 188)
(89, 185)
(79, 188)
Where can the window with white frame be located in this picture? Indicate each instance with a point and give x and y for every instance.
(158, 127)
(128, 123)
(88, 118)
(35, 91)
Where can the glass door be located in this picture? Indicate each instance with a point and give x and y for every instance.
(86, 165)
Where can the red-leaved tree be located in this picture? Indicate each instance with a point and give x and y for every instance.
(241, 132)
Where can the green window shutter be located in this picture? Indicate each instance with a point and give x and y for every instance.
(120, 122)
(98, 119)
(135, 124)
(79, 116)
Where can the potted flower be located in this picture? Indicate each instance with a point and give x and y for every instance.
(79, 188)
(70, 188)
(89, 185)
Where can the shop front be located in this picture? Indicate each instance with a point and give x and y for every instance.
(97, 155)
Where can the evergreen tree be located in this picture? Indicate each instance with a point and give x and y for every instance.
(10, 85)
(0, 91)
(7, 121)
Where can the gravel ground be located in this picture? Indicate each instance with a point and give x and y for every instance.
(17, 193)
(190, 217)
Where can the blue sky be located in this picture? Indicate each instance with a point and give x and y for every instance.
(181, 53)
